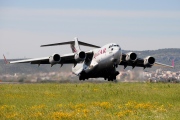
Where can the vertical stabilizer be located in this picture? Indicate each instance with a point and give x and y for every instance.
(75, 46)
(5, 60)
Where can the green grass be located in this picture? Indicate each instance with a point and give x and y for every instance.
(90, 101)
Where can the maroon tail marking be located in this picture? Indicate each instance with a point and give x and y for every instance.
(5, 60)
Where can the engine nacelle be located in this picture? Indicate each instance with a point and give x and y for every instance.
(54, 59)
(81, 56)
(131, 56)
(149, 60)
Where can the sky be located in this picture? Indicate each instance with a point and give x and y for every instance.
(133, 24)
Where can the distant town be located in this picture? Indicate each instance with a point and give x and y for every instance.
(125, 76)
(151, 76)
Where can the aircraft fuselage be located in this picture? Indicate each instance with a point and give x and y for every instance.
(104, 62)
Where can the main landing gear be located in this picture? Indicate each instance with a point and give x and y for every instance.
(81, 78)
(112, 77)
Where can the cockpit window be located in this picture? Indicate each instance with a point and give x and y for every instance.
(113, 46)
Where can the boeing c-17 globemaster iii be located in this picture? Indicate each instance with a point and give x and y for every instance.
(100, 62)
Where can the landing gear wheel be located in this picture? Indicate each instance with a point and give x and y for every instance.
(81, 78)
(115, 81)
(110, 79)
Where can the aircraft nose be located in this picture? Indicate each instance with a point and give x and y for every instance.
(116, 52)
(116, 56)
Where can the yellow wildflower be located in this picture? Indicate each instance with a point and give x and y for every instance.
(11, 115)
(37, 114)
(124, 113)
(38, 107)
(61, 115)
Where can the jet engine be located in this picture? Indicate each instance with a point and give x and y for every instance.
(149, 60)
(54, 59)
(81, 56)
(131, 56)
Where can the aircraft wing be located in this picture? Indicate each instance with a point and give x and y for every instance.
(65, 59)
(43, 59)
(139, 62)
(163, 65)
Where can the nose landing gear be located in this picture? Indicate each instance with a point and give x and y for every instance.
(115, 65)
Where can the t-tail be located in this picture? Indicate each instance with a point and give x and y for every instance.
(5, 60)
(75, 45)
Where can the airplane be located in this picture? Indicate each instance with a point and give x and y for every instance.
(100, 62)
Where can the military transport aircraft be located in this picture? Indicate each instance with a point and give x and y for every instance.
(97, 63)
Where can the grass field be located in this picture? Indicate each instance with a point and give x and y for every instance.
(136, 101)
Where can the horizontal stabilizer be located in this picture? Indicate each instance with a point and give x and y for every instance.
(55, 44)
(87, 44)
(71, 42)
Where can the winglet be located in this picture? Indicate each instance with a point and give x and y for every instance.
(5, 60)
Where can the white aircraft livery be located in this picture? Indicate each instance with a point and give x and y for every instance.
(100, 62)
